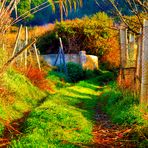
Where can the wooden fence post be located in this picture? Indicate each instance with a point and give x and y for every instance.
(138, 63)
(26, 42)
(6, 65)
(123, 44)
(123, 54)
(17, 39)
(37, 56)
(144, 82)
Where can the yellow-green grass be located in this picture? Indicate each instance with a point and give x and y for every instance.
(64, 119)
(18, 96)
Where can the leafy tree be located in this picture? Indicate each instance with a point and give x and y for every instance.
(23, 7)
(133, 7)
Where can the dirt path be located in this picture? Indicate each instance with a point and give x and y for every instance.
(109, 135)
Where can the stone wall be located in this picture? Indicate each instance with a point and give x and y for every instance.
(87, 61)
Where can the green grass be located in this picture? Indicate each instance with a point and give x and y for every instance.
(24, 95)
(124, 109)
(122, 106)
(64, 119)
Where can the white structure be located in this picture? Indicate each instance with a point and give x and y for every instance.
(87, 61)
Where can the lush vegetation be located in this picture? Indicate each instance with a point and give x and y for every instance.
(95, 35)
(124, 109)
(45, 108)
(14, 102)
(64, 119)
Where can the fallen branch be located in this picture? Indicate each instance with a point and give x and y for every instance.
(6, 65)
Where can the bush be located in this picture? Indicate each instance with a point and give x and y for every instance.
(89, 74)
(122, 106)
(75, 71)
(90, 34)
(48, 41)
(105, 76)
(37, 77)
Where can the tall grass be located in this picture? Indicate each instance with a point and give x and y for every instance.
(124, 109)
(122, 106)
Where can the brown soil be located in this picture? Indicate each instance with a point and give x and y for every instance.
(12, 130)
(108, 135)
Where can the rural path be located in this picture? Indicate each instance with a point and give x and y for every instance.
(108, 135)
(83, 97)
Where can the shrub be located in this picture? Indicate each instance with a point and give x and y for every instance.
(37, 77)
(106, 76)
(48, 41)
(89, 74)
(90, 34)
(58, 78)
(75, 71)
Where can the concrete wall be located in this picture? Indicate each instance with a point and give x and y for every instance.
(87, 61)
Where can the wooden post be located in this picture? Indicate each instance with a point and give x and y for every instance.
(37, 56)
(123, 43)
(17, 39)
(138, 63)
(16, 14)
(144, 82)
(123, 53)
(26, 42)
(4, 67)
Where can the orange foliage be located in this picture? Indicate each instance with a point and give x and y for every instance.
(113, 55)
(37, 77)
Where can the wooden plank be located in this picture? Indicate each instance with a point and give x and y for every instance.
(144, 82)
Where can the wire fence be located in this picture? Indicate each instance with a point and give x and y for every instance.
(134, 62)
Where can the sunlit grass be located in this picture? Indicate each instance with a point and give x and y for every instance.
(18, 96)
(65, 119)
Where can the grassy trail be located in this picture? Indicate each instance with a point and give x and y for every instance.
(64, 119)
(72, 117)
